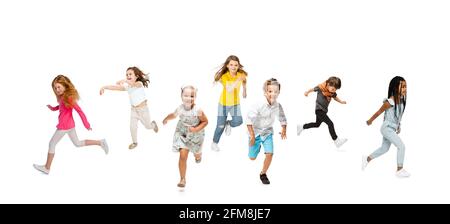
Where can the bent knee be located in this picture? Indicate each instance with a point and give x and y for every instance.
(79, 144)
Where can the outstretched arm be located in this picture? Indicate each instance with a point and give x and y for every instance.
(283, 121)
(231, 86)
(82, 116)
(169, 117)
(53, 108)
(339, 100)
(309, 91)
(202, 124)
(383, 107)
(112, 87)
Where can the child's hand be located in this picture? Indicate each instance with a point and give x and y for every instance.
(49, 107)
(369, 122)
(283, 134)
(244, 94)
(102, 90)
(89, 129)
(306, 93)
(252, 141)
(398, 130)
(192, 129)
(344, 102)
(164, 122)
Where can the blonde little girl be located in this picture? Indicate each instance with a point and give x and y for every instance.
(190, 132)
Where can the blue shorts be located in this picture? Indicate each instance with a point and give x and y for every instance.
(253, 151)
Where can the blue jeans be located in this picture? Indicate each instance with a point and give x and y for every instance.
(223, 111)
(390, 137)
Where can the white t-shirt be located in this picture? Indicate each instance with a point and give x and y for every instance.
(136, 94)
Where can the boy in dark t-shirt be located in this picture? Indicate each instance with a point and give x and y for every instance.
(325, 92)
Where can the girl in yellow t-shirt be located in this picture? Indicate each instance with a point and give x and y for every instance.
(232, 76)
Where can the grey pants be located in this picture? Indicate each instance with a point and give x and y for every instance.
(139, 114)
(58, 136)
(390, 137)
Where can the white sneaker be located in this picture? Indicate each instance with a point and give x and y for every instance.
(227, 128)
(215, 147)
(155, 127)
(41, 168)
(132, 145)
(299, 129)
(104, 146)
(364, 163)
(339, 142)
(402, 173)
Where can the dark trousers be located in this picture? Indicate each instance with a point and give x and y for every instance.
(322, 116)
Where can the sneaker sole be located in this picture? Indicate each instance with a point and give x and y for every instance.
(299, 131)
(364, 163)
(42, 171)
(338, 146)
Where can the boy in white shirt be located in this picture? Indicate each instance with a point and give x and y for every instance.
(260, 119)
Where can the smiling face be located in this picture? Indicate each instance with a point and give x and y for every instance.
(59, 89)
(131, 76)
(233, 66)
(271, 93)
(188, 96)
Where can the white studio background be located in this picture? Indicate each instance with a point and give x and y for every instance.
(365, 43)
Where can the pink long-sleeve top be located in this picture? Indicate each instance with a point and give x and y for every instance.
(65, 117)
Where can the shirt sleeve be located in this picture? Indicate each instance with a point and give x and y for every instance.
(316, 89)
(82, 116)
(390, 101)
(281, 115)
(252, 114)
(54, 108)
